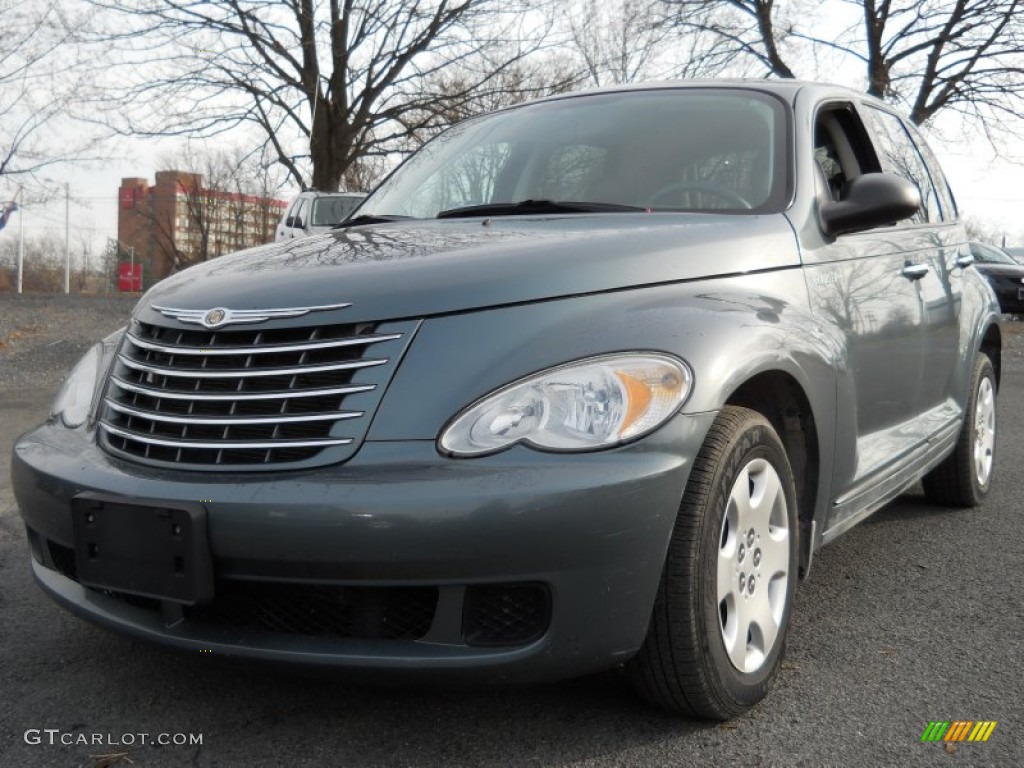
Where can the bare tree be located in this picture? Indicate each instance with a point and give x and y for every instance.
(961, 55)
(364, 173)
(45, 78)
(964, 55)
(985, 231)
(622, 42)
(43, 264)
(617, 42)
(745, 32)
(344, 77)
(531, 79)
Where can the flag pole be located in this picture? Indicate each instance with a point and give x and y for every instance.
(21, 240)
(67, 237)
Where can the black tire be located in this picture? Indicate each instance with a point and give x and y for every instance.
(956, 481)
(684, 665)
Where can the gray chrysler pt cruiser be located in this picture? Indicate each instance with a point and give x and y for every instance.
(584, 383)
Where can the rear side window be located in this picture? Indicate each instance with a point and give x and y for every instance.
(946, 199)
(899, 155)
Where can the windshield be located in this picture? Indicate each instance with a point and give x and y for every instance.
(329, 210)
(991, 255)
(670, 149)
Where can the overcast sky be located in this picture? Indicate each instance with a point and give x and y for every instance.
(988, 188)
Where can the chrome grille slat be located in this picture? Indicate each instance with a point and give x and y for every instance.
(244, 373)
(171, 394)
(227, 446)
(280, 395)
(238, 421)
(354, 341)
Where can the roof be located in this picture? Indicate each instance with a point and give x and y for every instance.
(784, 88)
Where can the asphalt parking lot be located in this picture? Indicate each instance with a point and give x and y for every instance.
(916, 615)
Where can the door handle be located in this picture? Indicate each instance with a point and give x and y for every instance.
(915, 271)
(965, 260)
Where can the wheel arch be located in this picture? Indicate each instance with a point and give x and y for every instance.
(781, 399)
(992, 345)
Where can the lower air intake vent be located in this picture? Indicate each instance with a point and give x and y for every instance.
(372, 613)
(505, 614)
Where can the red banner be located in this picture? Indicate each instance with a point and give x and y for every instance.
(129, 277)
(127, 198)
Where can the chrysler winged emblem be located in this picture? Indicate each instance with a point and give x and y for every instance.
(221, 316)
(214, 317)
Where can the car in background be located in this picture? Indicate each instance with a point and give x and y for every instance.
(313, 212)
(1017, 254)
(1004, 274)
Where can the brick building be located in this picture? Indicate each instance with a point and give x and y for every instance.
(178, 222)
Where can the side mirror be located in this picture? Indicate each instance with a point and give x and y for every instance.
(297, 222)
(290, 221)
(871, 200)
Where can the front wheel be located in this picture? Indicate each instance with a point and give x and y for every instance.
(964, 478)
(719, 621)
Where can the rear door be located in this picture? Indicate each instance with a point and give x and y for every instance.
(940, 243)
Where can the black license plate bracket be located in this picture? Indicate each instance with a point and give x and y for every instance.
(149, 548)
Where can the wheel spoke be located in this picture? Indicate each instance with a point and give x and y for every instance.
(763, 617)
(736, 646)
(740, 499)
(774, 550)
(728, 579)
(984, 430)
(767, 490)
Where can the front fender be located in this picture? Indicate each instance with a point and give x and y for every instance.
(728, 330)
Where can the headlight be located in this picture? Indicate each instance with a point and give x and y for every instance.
(75, 397)
(583, 406)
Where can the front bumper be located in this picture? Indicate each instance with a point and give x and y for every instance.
(589, 530)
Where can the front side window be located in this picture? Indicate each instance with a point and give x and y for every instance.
(663, 150)
(899, 155)
(300, 215)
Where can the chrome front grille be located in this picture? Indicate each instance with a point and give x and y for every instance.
(247, 398)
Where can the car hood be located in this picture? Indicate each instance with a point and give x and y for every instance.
(420, 268)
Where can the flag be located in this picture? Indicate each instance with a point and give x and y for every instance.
(5, 214)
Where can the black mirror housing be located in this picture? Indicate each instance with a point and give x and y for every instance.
(872, 200)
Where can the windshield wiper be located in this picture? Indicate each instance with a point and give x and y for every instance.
(536, 206)
(370, 218)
